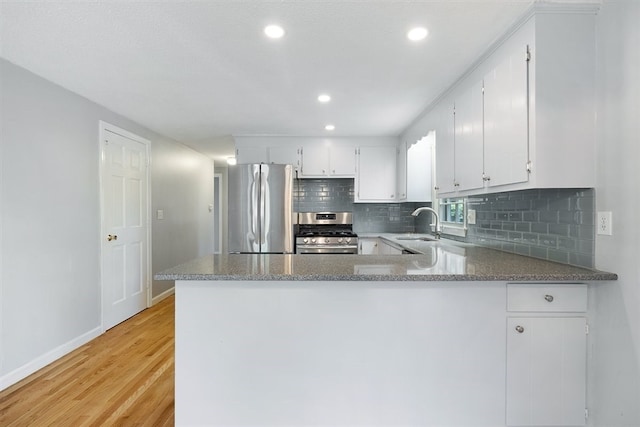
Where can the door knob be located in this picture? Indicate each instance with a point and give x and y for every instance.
(111, 237)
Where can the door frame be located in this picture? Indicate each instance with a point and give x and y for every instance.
(103, 128)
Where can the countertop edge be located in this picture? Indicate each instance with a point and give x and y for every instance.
(396, 278)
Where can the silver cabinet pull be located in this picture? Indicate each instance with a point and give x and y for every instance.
(111, 237)
(549, 298)
(519, 329)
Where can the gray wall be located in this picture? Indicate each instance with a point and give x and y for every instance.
(50, 214)
(614, 391)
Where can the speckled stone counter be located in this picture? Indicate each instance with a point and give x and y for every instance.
(439, 261)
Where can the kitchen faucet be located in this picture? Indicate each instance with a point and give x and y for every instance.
(435, 215)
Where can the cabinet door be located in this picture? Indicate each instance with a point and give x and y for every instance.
(367, 246)
(445, 149)
(251, 155)
(506, 149)
(285, 156)
(401, 172)
(468, 139)
(315, 160)
(419, 168)
(342, 161)
(376, 178)
(546, 371)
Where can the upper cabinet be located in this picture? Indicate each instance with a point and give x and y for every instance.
(524, 117)
(401, 172)
(336, 161)
(414, 168)
(251, 155)
(505, 120)
(376, 174)
(285, 155)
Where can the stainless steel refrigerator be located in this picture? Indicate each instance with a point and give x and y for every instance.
(261, 208)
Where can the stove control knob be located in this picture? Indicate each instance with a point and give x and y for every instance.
(326, 240)
(313, 240)
(305, 240)
(340, 239)
(347, 240)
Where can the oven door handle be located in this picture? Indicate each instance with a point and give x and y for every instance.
(326, 249)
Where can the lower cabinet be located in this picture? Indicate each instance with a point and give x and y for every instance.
(368, 246)
(546, 355)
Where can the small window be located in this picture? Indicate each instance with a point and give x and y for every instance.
(453, 216)
(452, 211)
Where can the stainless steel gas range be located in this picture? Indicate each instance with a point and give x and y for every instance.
(326, 233)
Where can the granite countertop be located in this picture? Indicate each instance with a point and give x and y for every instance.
(438, 261)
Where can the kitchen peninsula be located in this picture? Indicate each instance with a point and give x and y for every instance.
(456, 335)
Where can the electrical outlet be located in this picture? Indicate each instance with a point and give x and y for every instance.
(471, 216)
(160, 214)
(604, 223)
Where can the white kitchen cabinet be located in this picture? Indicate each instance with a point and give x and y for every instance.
(419, 169)
(445, 149)
(546, 355)
(328, 161)
(368, 246)
(342, 161)
(505, 120)
(401, 172)
(252, 155)
(315, 161)
(468, 138)
(285, 155)
(376, 174)
(538, 106)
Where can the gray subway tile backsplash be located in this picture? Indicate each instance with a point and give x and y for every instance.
(337, 194)
(556, 224)
(552, 224)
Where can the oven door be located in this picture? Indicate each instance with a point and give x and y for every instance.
(327, 249)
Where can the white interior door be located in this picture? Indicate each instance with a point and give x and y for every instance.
(124, 189)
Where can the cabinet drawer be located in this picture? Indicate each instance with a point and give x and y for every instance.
(570, 298)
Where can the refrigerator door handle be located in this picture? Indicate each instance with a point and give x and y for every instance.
(254, 213)
(264, 209)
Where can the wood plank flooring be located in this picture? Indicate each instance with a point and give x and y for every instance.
(122, 378)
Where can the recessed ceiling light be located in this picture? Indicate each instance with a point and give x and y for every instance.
(416, 34)
(274, 31)
(329, 127)
(324, 98)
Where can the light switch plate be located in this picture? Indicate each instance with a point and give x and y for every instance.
(471, 216)
(604, 223)
(160, 214)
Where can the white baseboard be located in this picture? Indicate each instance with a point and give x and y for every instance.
(47, 358)
(163, 295)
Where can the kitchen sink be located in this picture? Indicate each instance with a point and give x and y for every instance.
(423, 238)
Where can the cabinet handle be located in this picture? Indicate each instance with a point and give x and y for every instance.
(111, 237)
(486, 178)
(456, 184)
(549, 298)
(519, 329)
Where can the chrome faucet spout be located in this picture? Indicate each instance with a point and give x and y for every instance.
(435, 215)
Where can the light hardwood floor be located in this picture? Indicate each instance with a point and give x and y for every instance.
(122, 378)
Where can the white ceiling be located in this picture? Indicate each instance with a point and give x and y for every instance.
(200, 71)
